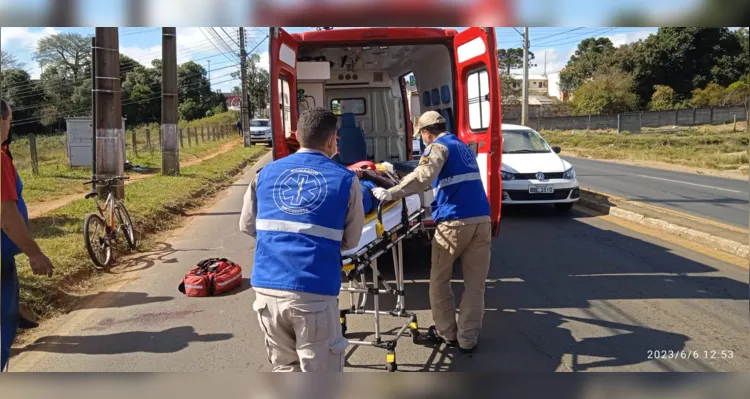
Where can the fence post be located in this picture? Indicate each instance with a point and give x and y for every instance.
(148, 140)
(135, 143)
(182, 143)
(588, 126)
(712, 116)
(693, 117)
(734, 128)
(640, 121)
(619, 126)
(32, 150)
(203, 137)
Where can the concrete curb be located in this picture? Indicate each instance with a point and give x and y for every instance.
(697, 231)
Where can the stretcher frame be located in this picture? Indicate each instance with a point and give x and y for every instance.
(355, 267)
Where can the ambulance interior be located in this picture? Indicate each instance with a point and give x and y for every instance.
(366, 86)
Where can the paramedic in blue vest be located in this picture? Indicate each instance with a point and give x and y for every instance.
(462, 213)
(303, 210)
(16, 239)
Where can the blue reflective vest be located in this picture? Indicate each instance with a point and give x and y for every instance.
(459, 192)
(302, 203)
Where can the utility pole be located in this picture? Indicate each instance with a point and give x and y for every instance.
(525, 103)
(209, 71)
(110, 159)
(170, 140)
(243, 104)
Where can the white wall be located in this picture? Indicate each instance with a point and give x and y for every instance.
(316, 91)
(553, 85)
(432, 71)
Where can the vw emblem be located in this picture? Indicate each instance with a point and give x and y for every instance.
(540, 176)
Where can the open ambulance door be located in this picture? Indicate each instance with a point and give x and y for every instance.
(283, 67)
(478, 110)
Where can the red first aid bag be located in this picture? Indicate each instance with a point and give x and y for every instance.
(211, 277)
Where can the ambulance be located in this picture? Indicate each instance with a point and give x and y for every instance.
(369, 76)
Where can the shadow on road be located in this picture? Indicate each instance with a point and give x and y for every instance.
(542, 260)
(166, 341)
(161, 253)
(115, 299)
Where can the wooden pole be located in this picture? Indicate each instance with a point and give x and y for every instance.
(34, 158)
(170, 158)
(135, 143)
(109, 135)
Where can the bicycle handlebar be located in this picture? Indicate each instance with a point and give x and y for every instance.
(110, 180)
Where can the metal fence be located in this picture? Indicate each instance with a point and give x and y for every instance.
(633, 122)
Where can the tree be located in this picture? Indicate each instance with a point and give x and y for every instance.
(511, 58)
(9, 61)
(713, 95)
(194, 91)
(141, 92)
(70, 53)
(24, 97)
(588, 57)
(510, 92)
(739, 93)
(610, 91)
(258, 84)
(662, 99)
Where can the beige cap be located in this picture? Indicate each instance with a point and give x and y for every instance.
(429, 118)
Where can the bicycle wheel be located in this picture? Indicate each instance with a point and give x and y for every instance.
(126, 225)
(97, 241)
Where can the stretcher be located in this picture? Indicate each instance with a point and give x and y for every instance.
(384, 231)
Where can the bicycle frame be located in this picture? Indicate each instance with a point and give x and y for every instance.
(109, 208)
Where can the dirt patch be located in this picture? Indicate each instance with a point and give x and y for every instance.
(49, 206)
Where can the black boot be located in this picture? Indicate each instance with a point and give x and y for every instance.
(433, 334)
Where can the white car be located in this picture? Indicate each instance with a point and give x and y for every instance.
(260, 131)
(533, 172)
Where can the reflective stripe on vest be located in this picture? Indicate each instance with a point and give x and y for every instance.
(448, 181)
(297, 227)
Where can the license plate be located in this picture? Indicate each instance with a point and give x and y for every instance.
(545, 189)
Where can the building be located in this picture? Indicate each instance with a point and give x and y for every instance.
(537, 84)
(233, 101)
(554, 90)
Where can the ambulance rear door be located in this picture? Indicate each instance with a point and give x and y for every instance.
(478, 110)
(283, 70)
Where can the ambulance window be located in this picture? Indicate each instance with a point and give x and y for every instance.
(285, 106)
(478, 85)
(341, 106)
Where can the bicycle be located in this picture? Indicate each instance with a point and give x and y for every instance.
(103, 224)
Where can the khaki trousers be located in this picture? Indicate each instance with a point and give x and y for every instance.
(302, 330)
(471, 243)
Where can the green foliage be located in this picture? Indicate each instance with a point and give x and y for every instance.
(9, 61)
(23, 96)
(712, 96)
(588, 57)
(610, 91)
(512, 58)
(258, 85)
(738, 93)
(70, 53)
(662, 99)
(510, 95)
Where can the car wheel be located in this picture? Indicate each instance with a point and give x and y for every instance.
(564, 208)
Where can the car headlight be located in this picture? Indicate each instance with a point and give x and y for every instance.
(507, 175)
(570, 174)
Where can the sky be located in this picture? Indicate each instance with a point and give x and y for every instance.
(201, 46)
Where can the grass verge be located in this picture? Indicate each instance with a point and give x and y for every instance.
(702, 147)
(57, 179)
(155, 204)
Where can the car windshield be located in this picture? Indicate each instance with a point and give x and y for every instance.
(523, 142)
(260, 123)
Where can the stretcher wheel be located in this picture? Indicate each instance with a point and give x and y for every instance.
(390, 361)
(414, 336)
(343, 325)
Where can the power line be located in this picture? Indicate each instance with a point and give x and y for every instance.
(84, 77)
(58, 114)
(590, 34)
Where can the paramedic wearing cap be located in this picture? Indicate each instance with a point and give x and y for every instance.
(303, 210)
(462, 213)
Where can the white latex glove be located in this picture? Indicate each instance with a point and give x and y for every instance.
(382, 194)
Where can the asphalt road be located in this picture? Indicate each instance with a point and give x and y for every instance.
(719, 199)
(565, 293)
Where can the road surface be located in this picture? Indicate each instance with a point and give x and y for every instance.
(719, 199)
(565, 293)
